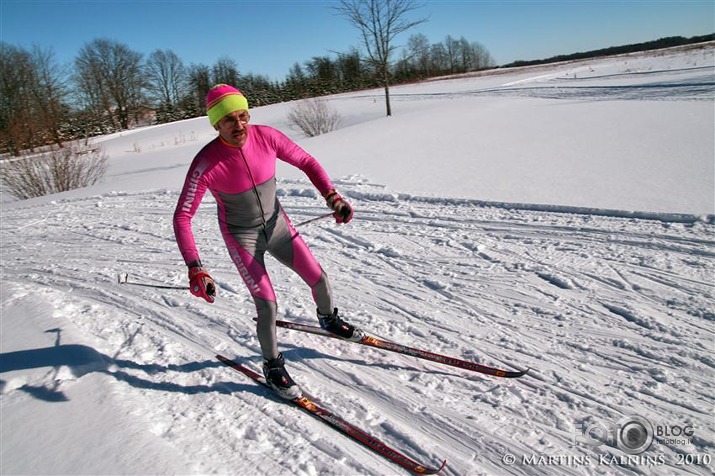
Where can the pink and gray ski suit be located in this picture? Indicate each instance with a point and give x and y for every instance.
(251, 219)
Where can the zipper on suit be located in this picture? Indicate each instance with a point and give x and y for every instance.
(255, 188)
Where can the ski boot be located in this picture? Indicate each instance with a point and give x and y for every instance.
(335, 325)
(278, 379)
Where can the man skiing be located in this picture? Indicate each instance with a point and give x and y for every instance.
(238, 167)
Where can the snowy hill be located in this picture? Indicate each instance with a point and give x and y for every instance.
(558, 218)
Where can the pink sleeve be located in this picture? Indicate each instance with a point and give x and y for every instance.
(189, 201)
(289, 152)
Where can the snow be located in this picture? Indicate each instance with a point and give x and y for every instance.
(555, 217)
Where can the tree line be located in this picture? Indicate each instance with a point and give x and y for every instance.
(109, 87)
(668, 42)
(420, 59)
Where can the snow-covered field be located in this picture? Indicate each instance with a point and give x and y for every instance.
(558, 218)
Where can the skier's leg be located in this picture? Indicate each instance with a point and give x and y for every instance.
(247, 252)
(288, 247)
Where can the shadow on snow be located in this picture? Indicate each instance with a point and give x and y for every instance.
(82, 360)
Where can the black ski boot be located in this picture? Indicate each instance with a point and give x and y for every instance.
(278, 379)
(335, 325)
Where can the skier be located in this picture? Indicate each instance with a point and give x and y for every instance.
(238, 167)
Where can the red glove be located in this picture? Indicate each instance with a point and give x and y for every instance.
(343, 210)
(201, 284)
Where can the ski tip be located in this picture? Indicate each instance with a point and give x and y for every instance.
(511, 373)
(424, 470)
(518, 374)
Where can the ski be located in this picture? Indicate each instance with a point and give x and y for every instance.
(372, 341)
(335, 421)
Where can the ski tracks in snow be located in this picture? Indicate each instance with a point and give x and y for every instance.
(613, 315)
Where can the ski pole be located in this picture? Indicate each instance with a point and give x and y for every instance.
(315, 219)
(124, 279)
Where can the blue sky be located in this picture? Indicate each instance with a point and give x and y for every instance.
(268, 37)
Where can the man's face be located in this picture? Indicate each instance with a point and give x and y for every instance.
(233, 127)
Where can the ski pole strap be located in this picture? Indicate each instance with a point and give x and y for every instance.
(331, 198)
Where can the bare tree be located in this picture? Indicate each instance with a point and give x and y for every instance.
(225, 71)
(16, 129)
(379, 22)
(109, 77)
(453, 49)
(418, 47)
(439, 58)
(482, 58)
(166, 78)
(199, 84)
(33, 93)
(48, 90)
